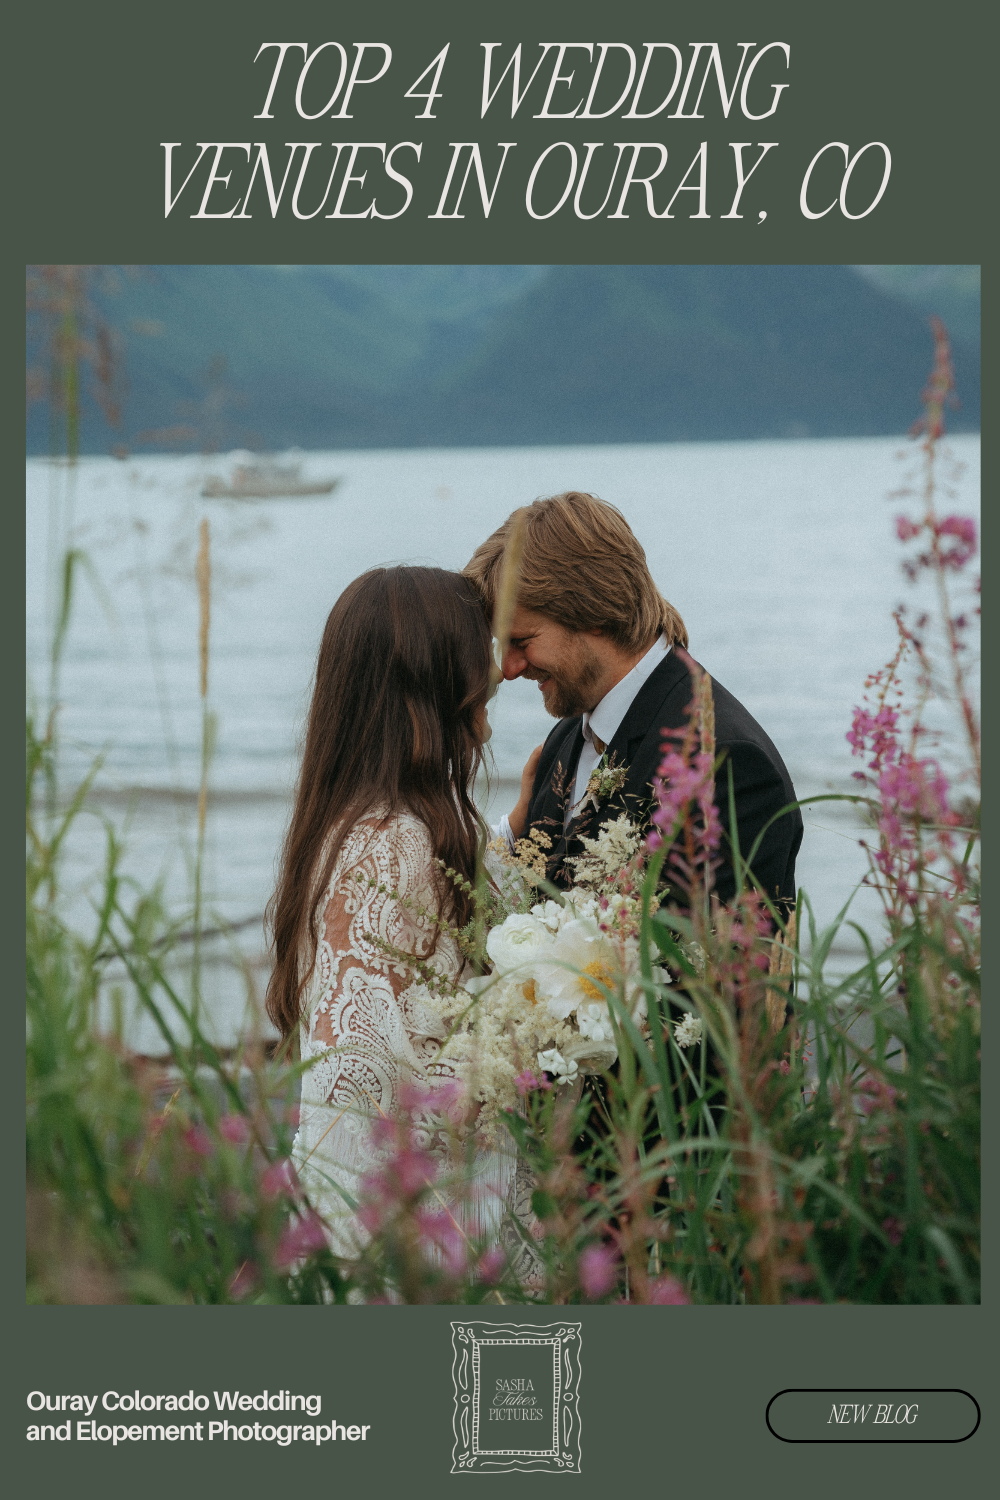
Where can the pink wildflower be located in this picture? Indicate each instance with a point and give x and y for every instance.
(443, 1239)
(278, 1179)
(963, 529)
(300, 1237)
(912, 792)
(893, 1230)
(414, 1098)
(383, 1132)
(244, 1282)
(197, 1139)
(492, 1264)
(682, 780)
(685, 789)
(875, 734)
(235, 1129)
(906, 529)
(448, 1098)
(939, 391)
(412, 1170)
(918, 787)
(527, 1081)
(373, 1208)
(598, 1270)
(668, 1291)
(406, 1172)
(876, 1094)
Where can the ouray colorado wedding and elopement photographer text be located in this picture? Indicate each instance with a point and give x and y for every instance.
(64, 1427)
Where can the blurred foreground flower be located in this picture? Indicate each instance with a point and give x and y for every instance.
(667, 1291)
(302, 1234)
(598, 1270)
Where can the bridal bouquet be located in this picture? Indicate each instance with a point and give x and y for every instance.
(543, 1016)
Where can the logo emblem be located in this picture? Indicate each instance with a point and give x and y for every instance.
(517, 1388)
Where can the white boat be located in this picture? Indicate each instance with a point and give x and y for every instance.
(264, 480)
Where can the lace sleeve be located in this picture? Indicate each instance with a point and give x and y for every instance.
(364, 1029)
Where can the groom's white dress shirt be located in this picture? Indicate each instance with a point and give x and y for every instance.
(604, 722)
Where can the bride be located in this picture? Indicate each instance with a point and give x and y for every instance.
(384, 798)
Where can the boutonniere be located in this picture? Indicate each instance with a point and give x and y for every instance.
(605, 781)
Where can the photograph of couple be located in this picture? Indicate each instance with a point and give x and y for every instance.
(385, 804)
(534, 1005)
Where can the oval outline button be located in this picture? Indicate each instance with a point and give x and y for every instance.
(887, 1390)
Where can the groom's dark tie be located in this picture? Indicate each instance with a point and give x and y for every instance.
(599, 745)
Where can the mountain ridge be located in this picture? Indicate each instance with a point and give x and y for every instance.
(274, 357)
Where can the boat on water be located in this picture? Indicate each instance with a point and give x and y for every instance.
(264, 480)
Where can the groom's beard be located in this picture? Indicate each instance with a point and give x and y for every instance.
(570, 689)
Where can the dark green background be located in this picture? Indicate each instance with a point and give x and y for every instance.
(672, 1398)
(109, 82)
(515, 1362)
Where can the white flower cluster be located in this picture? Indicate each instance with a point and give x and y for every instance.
(606, 856)
(687, 1033)
(553, 1062)
(546, 1003)
(594, 1022)
(570, 955)
(556, 965)
(497, 1028)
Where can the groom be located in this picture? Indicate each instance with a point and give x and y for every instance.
(592, 629)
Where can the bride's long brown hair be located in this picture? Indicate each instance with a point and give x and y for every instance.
(402, 675)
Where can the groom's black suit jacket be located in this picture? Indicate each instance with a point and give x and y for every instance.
(760, 781)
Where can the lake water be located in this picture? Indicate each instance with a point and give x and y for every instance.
(780, 557)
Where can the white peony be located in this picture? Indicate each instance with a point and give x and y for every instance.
(516, 943)
(579, 966)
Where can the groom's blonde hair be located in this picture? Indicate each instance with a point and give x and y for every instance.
(582, 567)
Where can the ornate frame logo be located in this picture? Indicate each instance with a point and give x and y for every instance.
(517, 1390)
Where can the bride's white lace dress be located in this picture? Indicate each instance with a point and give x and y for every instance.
(366, 1032)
